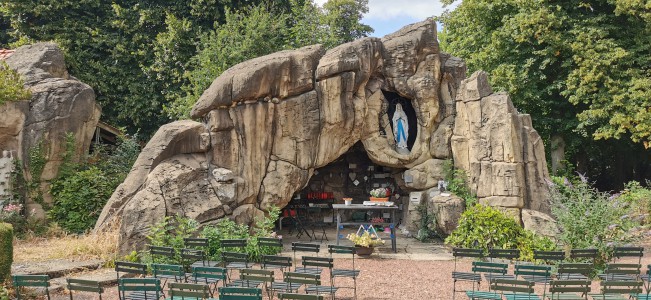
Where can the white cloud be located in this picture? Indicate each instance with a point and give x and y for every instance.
(390, 9)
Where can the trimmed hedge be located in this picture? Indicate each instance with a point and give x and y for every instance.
(6, 250)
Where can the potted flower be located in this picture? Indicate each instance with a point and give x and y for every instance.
(380, 194)
(365, 243)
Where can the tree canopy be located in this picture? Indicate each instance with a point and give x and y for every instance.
(580, 68)
(149, 60)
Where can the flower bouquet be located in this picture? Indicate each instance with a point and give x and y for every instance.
(380, 194)
(365, 243)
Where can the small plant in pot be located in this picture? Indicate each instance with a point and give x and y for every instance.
(365, 243)
(380, 194)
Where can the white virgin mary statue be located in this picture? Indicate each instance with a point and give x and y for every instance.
(400, 129)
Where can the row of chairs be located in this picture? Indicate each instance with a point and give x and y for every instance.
(496, 273)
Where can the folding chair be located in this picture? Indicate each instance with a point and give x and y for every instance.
(38, 281)
(292, 282)
(235, 261)
(569, 289)
(167, 272)
(575, 271)
(82, 285)
(189, 291)
(621, 252)
(583, 255)
(250, 278)
(194, 258)
(621, 272)
(549, 256)
(165, 254)
(506, 254)
(520, 290)
(315, 265)
(465, 276)
(314, 223)
(270, 243)
(234, 245)
(135, 269)
(305, 247)
(346, 273)
(238, 293)
(140, 288)
(646, 278)
(619, 290)
(276, 262)
(491, 270)
(283, 296)
(209, 276)
(535, 274)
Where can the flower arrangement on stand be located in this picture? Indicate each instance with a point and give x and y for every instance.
(365, 243)
(380, 194)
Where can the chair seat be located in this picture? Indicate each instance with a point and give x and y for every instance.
(208, 263)
(286, 287)
(466, 276)
(344, 273)
(608, 297)
(537, 279)
(572, 277)
(141, 295)
(320, 289)
(490, 276)
(245, 283)
(566, 296)
(274, 266)
(239, 265)
(173, 277)
(641, 296)
(308, 270)
(617, 277)
(645, 277)
(518, 296)
(483, 295)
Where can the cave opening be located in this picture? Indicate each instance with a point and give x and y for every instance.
(393, 100)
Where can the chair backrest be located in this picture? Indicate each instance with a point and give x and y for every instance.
(549, 255)
(465, 252)
(229, 257)
(130, 268)
(306, 247)
(240, 244)
(533, 271)
(510, 285)
(31, 281)
(510, 254)
(160, 251)
(622, 269)
(265, 276)
(558, 287)
(188, 290)
(191, 255)
(207, 274)
(489, 267)
(575, 268)
(618, 287)
(270, 242)
(239, 293)
(283, 296)
(168, 270)
(332, 249)
(302, 278)
(315, 261)
(584, 254)
(147, 288)
(84, 286)
(195, 242)
(620, 252)
(276, 261)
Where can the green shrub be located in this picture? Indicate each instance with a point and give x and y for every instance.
(4, 293)
(457, 180)
(11, 85)
(6, 250)
(638, 198)
(79, 199)
(484, 227)
(589, 218)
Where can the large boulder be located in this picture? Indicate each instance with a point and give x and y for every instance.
(447, 210)
(269, 122)
(60, 105)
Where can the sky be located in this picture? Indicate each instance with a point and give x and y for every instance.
(387, 16)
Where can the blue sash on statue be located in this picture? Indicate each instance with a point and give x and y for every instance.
(401, 132)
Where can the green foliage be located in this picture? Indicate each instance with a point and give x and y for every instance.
(6, 250)
(638, 199)
(170, 232)
(457, 180)
(11, 85)
(4, 293)
(426, 224)
(589, 218)
(79, 199)
(484, 227)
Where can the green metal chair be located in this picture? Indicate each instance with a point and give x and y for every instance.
(210, 276)
(134, 269)
(549, 257)
(344, 273)
(575, 271)
(283, 296)
(305, 247)
(188, 291)
(505, 254)
(140, 288)
(646, 279)
(518, 290)
(200, 244)
(314, 265)
(465, 276)
(621, 252)
(619, 290)
(537, 274)
(234, 256)
(621, 272)
(274, 244)
(251, 278)
(194, 258)
(491, 270)
(38, 281)
(276, 262)
(569, 289)
(292, 282)
(239, 293)
(175, 273)
(584, 255)
(233, 245)
(161, 254)
(83, 285)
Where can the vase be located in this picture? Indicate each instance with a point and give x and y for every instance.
(364, 251)
(379, 199)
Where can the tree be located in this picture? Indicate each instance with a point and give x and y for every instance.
(581, 69)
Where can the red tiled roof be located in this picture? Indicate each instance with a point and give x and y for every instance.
(4, 53)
